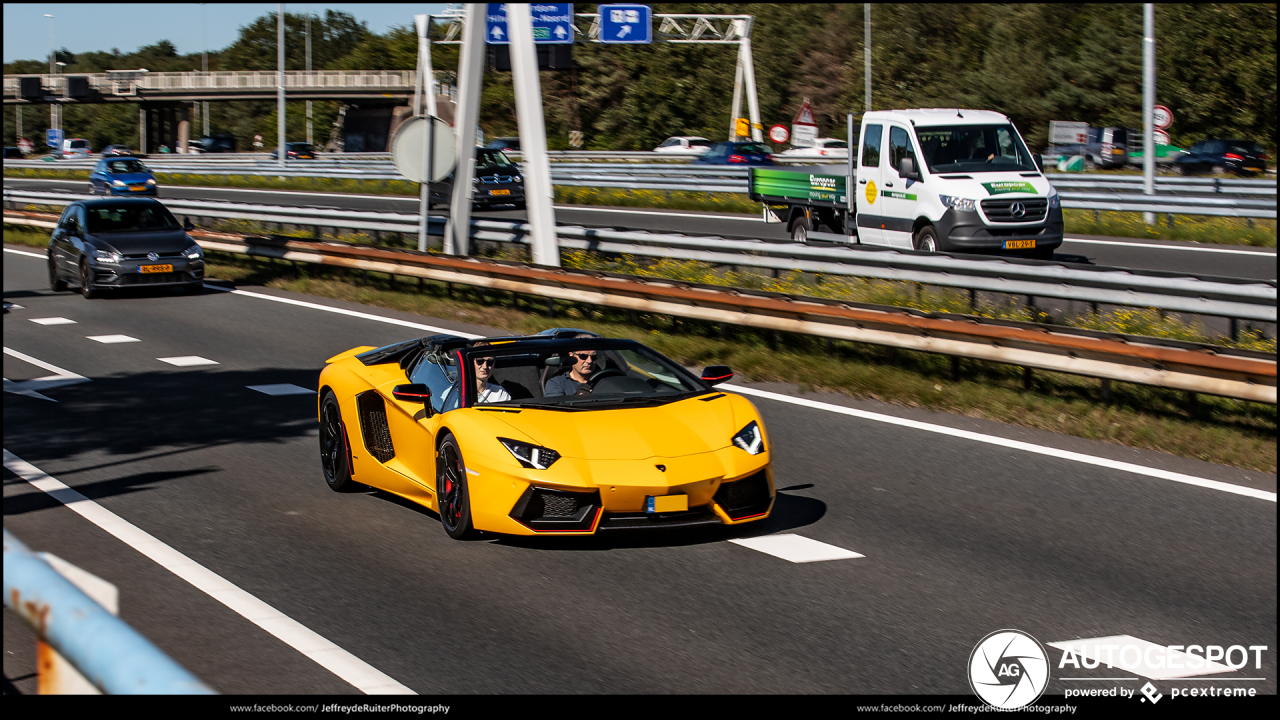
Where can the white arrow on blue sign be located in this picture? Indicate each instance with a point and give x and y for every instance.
(552, 23)
(626, 24)
(53, 137)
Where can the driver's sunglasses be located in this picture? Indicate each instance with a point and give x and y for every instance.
(583, 357)
(484, 361)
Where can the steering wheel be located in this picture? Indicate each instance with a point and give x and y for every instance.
(599, 375)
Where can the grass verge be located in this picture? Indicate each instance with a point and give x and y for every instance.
(1219, 430)
(1189, 228)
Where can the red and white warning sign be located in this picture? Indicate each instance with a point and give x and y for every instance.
(804, 129)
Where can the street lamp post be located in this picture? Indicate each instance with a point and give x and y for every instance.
(53, 107)
(281, 152)
(204, 64)
(309, 140)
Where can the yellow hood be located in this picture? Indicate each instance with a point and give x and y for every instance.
(687, 427)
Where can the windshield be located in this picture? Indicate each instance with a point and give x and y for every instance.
(126, 166)
(753, 148)
(699, 143)
(300, 147)
(585, 374)
(130, 218)
(493, 161)
(973, 148)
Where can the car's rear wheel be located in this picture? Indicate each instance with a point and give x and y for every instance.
(86, 282)
(800, 230)
(335, 456)
(452, 496)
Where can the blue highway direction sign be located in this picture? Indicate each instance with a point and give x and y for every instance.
(53, 138)
(626, 24)
(552, 23)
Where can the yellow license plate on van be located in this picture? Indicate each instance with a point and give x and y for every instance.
(155, 268)
(499, 192)
(1019, 244)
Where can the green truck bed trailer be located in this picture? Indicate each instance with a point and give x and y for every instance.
(819, 192)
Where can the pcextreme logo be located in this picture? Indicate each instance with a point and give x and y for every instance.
(1008, 669)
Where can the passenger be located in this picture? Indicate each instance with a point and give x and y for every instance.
(574, 381)
(487, 392)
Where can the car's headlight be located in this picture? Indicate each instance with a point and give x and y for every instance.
(959, 203)
(118, 183)
(531, 456)
(193, 253)
(151, 181)
(517, 179)
(1055, 200)
(750, 438)
(107, 256)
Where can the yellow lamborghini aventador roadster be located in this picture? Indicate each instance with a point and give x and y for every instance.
(547, 434)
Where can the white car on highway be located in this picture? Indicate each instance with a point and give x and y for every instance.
(832, 148)
(684, 144)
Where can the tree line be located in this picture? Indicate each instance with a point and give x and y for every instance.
(1216, 69)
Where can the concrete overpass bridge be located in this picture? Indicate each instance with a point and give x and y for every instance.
(165, 100)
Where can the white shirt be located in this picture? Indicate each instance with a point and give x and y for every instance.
(493, 393)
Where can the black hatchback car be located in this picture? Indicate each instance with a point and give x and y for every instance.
(120, 243)
(1242, 157)
(497, 182)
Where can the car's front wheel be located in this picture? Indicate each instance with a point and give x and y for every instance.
(335, 458)
(452, 498)
(927, 239)
(56, 283)
(86, 282)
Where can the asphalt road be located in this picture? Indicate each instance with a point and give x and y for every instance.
(1167, 256)
(960, 534)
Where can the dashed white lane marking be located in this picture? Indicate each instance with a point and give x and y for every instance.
(188, 361)
(1137, 656)
(281, 389)
(1010, 444)
(52, 321)
(350, 668)
(30, 388)
(112, 339)
(796, 549)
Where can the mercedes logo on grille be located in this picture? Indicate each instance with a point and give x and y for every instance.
(1017, 209)
(152, 256)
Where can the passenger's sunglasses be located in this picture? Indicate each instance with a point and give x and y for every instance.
(484, 361)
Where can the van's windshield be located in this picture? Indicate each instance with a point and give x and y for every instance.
(973, 148)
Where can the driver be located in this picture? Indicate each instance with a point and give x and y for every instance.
(574, 381)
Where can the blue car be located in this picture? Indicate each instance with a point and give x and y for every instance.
(736, 153)
(122, 176)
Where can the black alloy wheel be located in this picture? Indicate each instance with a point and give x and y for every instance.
(86, 282)
(335, 459)
(453, 500)
(56, 283)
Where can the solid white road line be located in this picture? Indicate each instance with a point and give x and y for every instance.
(188, 361)
(1188, 246)
(796, 549)
(1011, 444)
(112, 339)
(281, 389)
(1134, 655)
(350, 668)
(52, 321)
(26, 253)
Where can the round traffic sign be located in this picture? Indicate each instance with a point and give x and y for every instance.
(1161, 117)
(1161, 137)
(779, 134)
(407, 151)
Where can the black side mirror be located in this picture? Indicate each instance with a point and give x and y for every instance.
(414, 393)
(716, 374)
(186, 224)
(907, 169)
(1039, 162)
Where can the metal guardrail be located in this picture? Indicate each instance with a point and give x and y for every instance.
(1222, 297)
(734, 180)
(1162, 363)
(110, 654)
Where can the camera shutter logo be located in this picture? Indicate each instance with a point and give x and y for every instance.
(1017, 209)
(1008, 669)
